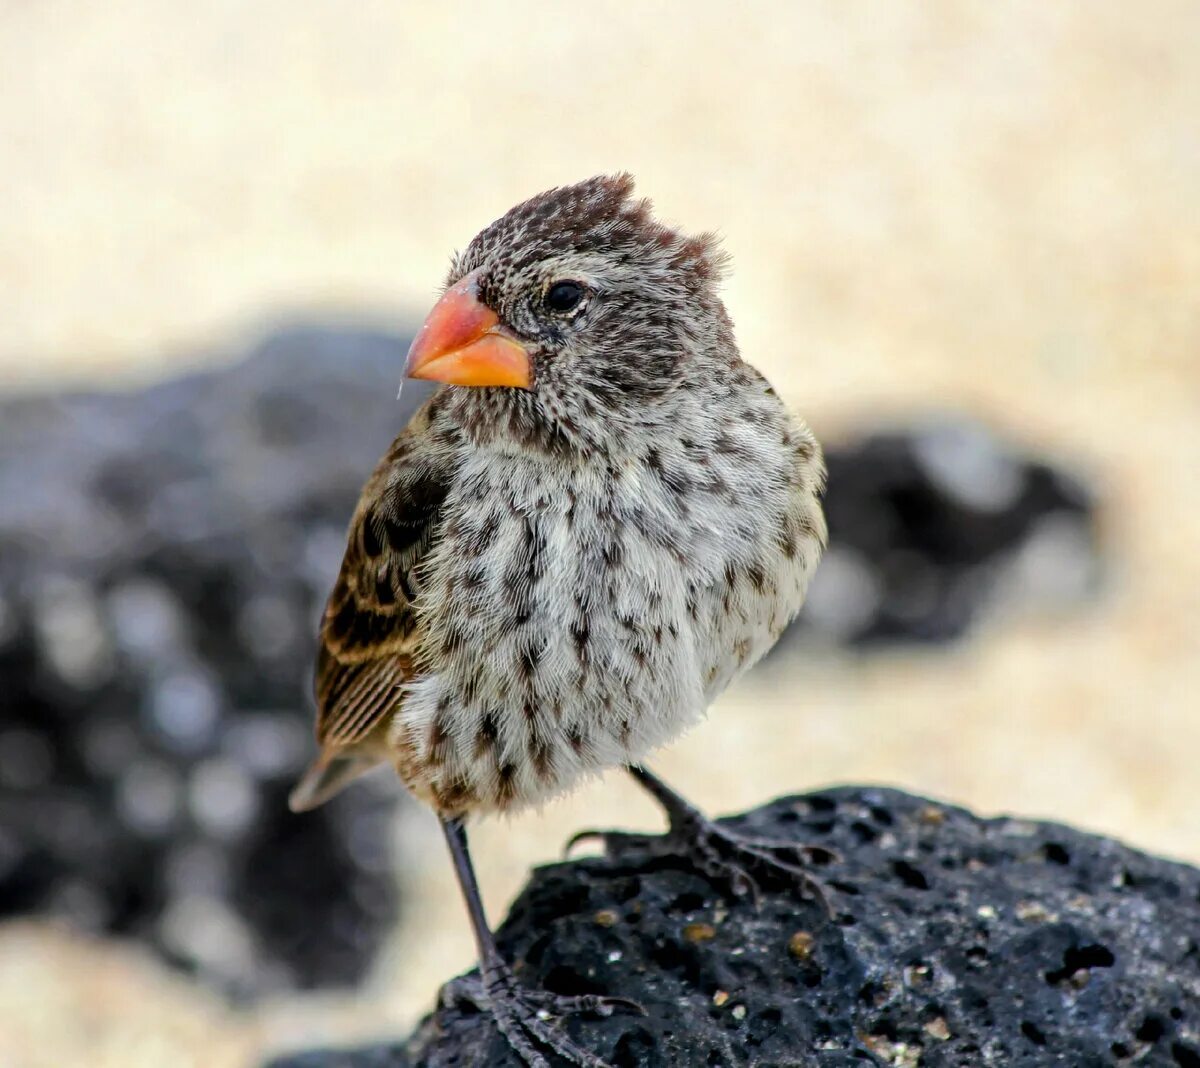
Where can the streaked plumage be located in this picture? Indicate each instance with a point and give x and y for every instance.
(541, 583)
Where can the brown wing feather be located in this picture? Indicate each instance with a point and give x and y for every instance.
(369, 632)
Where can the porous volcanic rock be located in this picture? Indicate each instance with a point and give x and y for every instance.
(936, 523)
(955, 941)
(164, 556)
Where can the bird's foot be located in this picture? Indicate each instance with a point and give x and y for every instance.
(725, 856)
(528, 1018)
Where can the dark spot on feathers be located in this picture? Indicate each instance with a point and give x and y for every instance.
(530, 655)
(535, 547)
(439, 739)
(785, 536)
(723, 443)
(539, 754)
(614, 555)
(476, 541)
(506, 776)
(757, 578)
(454, 640)
(456, 797)
(342, 624)
(671, 477)
(581, 633)
(384, 593)
(488, 732)
(424, 494)
(370, 540)
(576, 739)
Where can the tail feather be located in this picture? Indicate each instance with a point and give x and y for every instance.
(329, 774)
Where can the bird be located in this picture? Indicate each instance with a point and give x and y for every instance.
(600, 518)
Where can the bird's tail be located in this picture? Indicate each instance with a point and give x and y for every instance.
(328, 775)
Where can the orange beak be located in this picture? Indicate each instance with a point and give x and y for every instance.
(463, 343)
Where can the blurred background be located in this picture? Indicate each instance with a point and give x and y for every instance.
(966, 247)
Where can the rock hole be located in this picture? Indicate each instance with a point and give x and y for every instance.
(872, 994)
(911, 877)
(863, 832)
(771, 1017)
(1034, 1033)
(565, 980)
(1077, 957)
(688, 901)
(1185, 1056)
(1056, 853)
(819, 803)
(627, 889)
(675, 958)
(1151, 1030)
(633, 1049)
(882, 815)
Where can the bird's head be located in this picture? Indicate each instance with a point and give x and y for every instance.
(577, 310)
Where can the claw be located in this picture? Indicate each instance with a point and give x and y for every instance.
(607, 838)
(526, 1017)
(724, 856)
(585, 836)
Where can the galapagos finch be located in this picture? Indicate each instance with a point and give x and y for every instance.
(601, 518)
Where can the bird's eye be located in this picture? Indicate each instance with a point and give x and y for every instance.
(563, 296)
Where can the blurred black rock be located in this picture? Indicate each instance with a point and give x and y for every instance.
(164, 555)
(932, 525)
(956, 943)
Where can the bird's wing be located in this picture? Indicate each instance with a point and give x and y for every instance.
(369, 632)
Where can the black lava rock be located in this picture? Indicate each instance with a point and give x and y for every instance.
(932, 524)
(955, 941)
(164, 556)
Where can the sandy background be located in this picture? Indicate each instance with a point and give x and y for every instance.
(987, 207)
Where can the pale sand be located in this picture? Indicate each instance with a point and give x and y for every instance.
(991, 209)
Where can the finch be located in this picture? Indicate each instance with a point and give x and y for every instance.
(601, 518)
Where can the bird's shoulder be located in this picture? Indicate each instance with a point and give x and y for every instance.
(369, 630)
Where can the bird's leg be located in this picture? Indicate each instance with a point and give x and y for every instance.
(723, 854)
(525, 1017)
